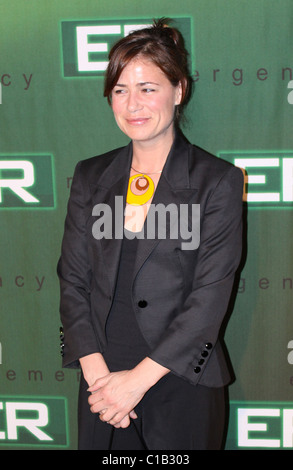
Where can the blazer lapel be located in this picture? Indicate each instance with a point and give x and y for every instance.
(173, 188)
(109, 194)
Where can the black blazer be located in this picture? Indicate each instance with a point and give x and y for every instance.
(180, 297)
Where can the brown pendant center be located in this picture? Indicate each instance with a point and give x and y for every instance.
(142, 187)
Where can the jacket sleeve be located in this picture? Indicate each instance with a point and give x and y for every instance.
(188, 343)
(75, 276)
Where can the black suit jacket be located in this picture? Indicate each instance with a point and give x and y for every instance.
(180, 297)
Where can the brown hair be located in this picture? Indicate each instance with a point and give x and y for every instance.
(161, 44)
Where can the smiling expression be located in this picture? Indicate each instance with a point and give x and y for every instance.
(143, 102)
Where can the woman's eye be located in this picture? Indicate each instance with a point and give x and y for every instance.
(147, 90)
(119, 91)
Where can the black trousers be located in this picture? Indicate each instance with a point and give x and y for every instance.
(173, 415)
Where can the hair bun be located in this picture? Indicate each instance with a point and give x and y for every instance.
(162, 25)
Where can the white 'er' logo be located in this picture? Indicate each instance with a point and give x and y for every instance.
(17, 185)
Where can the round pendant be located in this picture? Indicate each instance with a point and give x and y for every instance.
(140, 199)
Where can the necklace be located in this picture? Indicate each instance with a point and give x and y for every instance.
(153, 173)
(143, 183)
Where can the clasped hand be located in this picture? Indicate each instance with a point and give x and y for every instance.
(114, 397)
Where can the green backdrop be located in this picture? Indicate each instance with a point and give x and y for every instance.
(53, 114)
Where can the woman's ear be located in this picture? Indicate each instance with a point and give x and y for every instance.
(178, 97)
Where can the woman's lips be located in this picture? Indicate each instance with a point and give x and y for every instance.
(137, 121)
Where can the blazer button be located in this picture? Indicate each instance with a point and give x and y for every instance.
(209, 345)
(61, 333)
(197, 370)
(142, 303)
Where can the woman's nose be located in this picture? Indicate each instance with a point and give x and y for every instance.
(133, 103)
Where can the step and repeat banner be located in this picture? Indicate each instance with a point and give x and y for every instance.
(53, 55)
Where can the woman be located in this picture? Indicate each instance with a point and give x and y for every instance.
(142, 314)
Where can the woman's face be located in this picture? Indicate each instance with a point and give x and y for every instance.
(143, 102)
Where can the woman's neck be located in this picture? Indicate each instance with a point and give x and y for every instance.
(151, 157)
